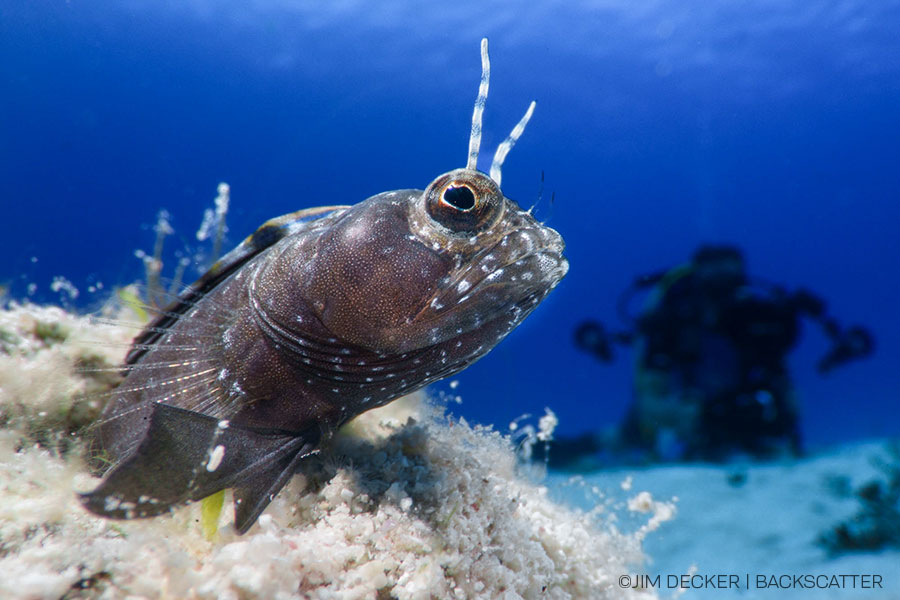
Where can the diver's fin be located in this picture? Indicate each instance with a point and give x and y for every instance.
(186, 455)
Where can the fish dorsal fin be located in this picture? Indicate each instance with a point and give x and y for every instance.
(267, 235)
(477, 117)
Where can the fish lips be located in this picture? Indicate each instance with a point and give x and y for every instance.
(507, 280)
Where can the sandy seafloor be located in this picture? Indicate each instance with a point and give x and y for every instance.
(424, 508)
(405, 503)
(766, 526)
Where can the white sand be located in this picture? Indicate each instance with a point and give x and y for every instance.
(411, 505)
(767, 526)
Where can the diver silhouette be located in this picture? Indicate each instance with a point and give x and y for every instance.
(710, 378)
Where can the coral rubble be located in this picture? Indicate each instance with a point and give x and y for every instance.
(406, 503)
(876, 525)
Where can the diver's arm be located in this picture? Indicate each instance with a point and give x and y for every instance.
(592, 337)
(847, 344)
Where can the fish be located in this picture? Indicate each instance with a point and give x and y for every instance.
(316, 317)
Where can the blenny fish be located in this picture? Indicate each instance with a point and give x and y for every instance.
(316, 317)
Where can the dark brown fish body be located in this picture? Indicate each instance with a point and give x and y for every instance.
(315, 318)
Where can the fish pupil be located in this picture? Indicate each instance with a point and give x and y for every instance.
(460, 197)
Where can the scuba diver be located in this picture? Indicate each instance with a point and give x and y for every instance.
(710, 377)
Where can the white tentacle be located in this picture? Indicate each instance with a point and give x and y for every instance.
(475, 136)
(504, 148)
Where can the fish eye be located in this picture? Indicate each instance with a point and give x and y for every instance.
(462, 197)
(464, 201)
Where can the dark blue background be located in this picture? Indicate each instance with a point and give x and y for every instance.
(660, 125)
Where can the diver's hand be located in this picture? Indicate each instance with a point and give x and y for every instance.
(592, 337)
(855, 342)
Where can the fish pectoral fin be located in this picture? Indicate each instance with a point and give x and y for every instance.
(254, 493)
(186, 455)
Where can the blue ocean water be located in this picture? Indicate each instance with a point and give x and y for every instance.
(660, 125)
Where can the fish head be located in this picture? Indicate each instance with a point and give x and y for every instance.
(409, 269)
(454, 267)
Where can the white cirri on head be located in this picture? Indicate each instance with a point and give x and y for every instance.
(477, 118)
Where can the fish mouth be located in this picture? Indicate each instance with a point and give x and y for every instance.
(527, 257)
(512, 275)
